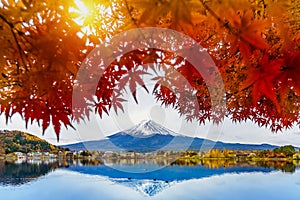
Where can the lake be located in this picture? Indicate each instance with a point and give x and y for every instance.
(144, 179)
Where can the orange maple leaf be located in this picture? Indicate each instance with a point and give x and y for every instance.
(246, 33)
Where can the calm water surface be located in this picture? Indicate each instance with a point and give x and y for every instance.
(205, 180)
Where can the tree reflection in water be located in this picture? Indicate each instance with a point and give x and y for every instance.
(20, 173)
(17, 174)
(284, 166)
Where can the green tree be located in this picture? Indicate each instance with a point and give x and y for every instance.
(288, 150)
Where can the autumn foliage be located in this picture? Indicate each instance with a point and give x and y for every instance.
(254, 43)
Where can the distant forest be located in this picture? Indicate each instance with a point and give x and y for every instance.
(17, 141)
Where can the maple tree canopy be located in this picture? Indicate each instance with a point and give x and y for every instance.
(254, 44)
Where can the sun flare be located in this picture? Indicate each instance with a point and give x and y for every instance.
(92, 16)
(81, 12)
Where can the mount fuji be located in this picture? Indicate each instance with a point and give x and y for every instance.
(149, 128)
(148, 136)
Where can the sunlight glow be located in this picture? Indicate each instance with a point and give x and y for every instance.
(83, 16)
(82, 12)
(91, 16)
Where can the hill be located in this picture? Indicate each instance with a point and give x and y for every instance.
(17, 141)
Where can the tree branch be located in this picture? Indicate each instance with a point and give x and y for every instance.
(229, 95)
(6, 21)
(129, 12)
(225, 23)
(12, 29)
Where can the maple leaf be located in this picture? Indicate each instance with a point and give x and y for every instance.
(263, 79)
(59, 117)
(289, 78)
(246, 34)
(133, 78)
(116, 102)
(45, 122)
(165, 95)
(167, 12)
(191, 74)
(100, 107)
(43, 47)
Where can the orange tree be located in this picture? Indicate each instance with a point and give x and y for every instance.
(254, 43)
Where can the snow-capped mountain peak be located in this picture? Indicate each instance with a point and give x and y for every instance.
(147, 128)
(146, 187)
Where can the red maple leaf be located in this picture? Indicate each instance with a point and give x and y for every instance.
(290, 72)
(263, 79)
(134, 78)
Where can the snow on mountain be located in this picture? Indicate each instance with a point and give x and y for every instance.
(148, 128)
(146, 187)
